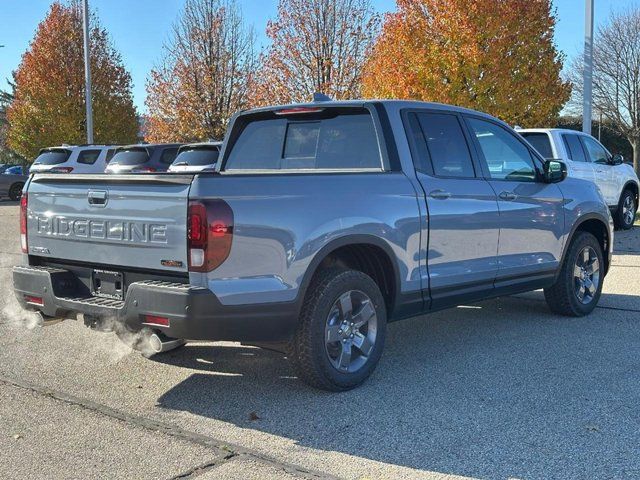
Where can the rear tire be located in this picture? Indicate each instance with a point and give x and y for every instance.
(342, 330)
(15, 191)
(578, 287)
(625, 215)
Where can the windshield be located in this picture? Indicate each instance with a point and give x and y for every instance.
(539, 141)
(134, 156)
(52, 157)
(197, 157)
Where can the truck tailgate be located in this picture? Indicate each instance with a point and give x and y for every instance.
(131, 221)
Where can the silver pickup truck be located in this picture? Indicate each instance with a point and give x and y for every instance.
(321, 223)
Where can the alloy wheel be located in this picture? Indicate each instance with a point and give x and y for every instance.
(586, 275)
(628, 210)
(350, 331)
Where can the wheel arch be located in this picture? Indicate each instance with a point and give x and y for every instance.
(597, 225)
(366, 253)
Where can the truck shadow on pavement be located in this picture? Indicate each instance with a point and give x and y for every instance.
(495, 390)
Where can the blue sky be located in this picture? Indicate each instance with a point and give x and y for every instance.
(140, 27)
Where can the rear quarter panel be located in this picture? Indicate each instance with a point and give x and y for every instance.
(582, 200)
(283, 221)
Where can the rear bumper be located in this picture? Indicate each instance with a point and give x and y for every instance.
(194, 313)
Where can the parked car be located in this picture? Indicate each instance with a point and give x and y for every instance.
(11, 184)
(73, 159)
(322, 223)
(196, 157)
(143, 158)
(3, 167)
(588, 159)
(14, 170)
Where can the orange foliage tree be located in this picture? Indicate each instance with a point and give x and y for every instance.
(48, 107)
(490, 55)
(202, 80)
(316, 46)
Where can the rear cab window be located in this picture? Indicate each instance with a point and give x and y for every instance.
(53, 157)
(130, 156)
(313, 138)
(541, 142)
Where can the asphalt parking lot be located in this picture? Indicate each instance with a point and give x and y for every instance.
(501, 389)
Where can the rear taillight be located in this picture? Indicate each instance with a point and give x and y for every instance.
(23, 223)
(209, 234)
(298, 110)
(61, 170)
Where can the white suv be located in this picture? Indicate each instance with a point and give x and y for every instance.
(73, 159)
(586, 158)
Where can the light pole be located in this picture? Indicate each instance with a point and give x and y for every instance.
(87, 71)
(587, 73)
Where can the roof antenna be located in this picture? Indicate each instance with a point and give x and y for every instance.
(321, 97)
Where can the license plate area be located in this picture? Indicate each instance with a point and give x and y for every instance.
(107, 284)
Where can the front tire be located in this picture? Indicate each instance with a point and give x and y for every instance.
(342, 330)
(577, 290)
(15, 191)
(626, 213)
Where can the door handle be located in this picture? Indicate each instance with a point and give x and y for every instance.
(439, 194)
(507, 196)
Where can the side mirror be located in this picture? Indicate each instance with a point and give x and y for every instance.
(617, 159)
(554, 171)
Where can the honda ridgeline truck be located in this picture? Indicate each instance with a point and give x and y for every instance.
(321, 223)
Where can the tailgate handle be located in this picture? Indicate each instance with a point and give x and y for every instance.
(97, 197)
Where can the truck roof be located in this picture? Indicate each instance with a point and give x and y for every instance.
(549, 130)
(390, 104)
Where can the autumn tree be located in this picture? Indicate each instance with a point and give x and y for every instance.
(48, 107)
(490, 55)
(316, 46)
(616, 77)
(202, 80)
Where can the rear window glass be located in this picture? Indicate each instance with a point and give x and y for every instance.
(168, 155)
(52, 157)
(446, 145)
(110, 154)
(88, 157)
(317, 141)
(540, 141)
(574, 148)
(136, 156)
(197, 157)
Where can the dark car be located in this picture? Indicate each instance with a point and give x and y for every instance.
(143, 158)
(15, 170)
(11, 184)
(196, 157)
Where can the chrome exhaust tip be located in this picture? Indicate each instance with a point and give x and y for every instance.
(160, 343)
(46, 321)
